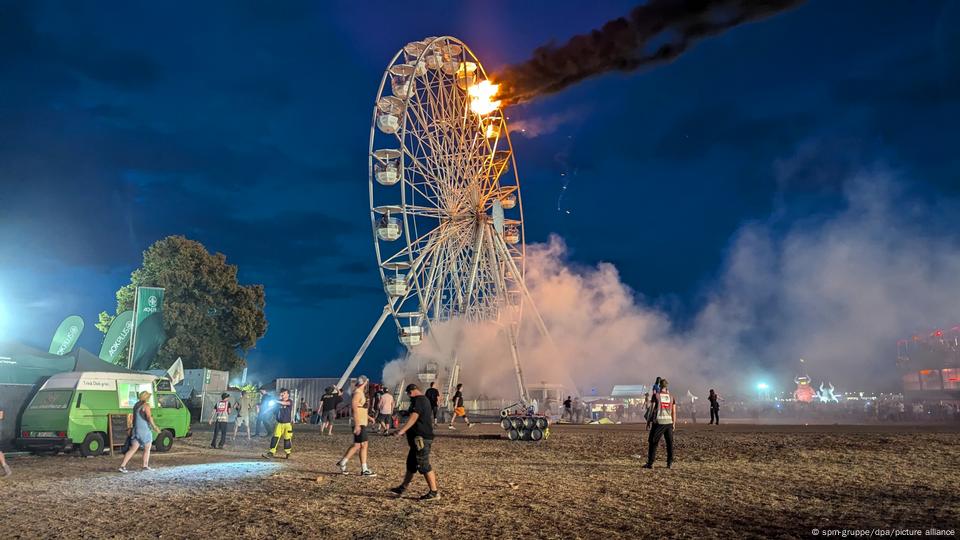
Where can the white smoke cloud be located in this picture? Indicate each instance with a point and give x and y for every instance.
(535, 126)
(837, 290)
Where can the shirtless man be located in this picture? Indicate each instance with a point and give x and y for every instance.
(358, 406)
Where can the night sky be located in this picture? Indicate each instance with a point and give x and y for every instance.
(245, 126)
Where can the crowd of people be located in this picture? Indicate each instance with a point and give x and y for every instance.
(364, 416)
(373, 409)
(575, 411)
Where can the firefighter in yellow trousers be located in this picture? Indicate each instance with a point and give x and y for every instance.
(284, 428)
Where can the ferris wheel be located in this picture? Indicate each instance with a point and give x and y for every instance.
(445, 206)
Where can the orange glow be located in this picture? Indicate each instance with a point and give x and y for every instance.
(481, 97)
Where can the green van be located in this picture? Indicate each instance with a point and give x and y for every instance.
(70, 411)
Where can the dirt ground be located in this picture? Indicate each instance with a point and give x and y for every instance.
(728, 481)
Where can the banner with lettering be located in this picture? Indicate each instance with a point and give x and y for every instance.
(148, 334)
(117, 338)
(66, 335)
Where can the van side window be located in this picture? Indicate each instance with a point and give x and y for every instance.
(167, 401)
(79, 398)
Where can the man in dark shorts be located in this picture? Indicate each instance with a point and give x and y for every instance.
(419, 432)
(328, 409)
(358, 405)
(433, 396)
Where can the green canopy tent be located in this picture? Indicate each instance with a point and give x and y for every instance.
(22, 364)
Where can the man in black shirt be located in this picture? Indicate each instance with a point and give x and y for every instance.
(433, 396)
(567, 409)
(419, 431)
(328, 408)
(458, 408)
(263, 414)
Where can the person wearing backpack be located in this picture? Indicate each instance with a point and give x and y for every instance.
(221, 415)
(664, 416)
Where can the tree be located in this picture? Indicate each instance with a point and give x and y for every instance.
(105, 321)
(209, 318)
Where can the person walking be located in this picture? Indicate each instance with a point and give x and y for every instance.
(358, 409)
(263, 407)
(458, 408)
(3, 459)
(142, 435)
(419, 432)
(328, 408)
(433, 396)
(664, 418)
(692, 399)
(567, 410)
(242, 407)
(304, 411)
(284, 428)
(714, 400)
(385, 414)
(219, 419)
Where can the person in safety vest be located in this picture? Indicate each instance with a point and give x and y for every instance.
(221, 415)
(284, 428)
(664, 415)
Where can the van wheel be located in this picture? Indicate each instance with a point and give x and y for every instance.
(164, 441)
(92, 445)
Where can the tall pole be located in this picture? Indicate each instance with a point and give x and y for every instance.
(511, 265)
(516, 365)
(133, 329)
(363, 347)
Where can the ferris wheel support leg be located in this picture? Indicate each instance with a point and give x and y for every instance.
(511, 337)
(363, 348)
(505, 253)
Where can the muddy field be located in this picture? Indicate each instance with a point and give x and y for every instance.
(731, 481)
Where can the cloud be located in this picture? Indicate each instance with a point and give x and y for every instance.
(86, 55)
(837, 290)
(535, 126)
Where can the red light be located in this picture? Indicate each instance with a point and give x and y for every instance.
(24, 434)
(938, 333)
(954, 379)
(61, 434)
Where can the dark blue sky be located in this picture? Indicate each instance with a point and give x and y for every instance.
(244, 125)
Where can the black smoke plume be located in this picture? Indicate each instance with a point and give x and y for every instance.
(655, 32)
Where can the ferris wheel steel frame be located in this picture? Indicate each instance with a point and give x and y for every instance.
(462, 257)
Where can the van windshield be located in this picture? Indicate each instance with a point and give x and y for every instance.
(51, 399)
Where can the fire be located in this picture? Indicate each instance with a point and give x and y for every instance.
(481, 97)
